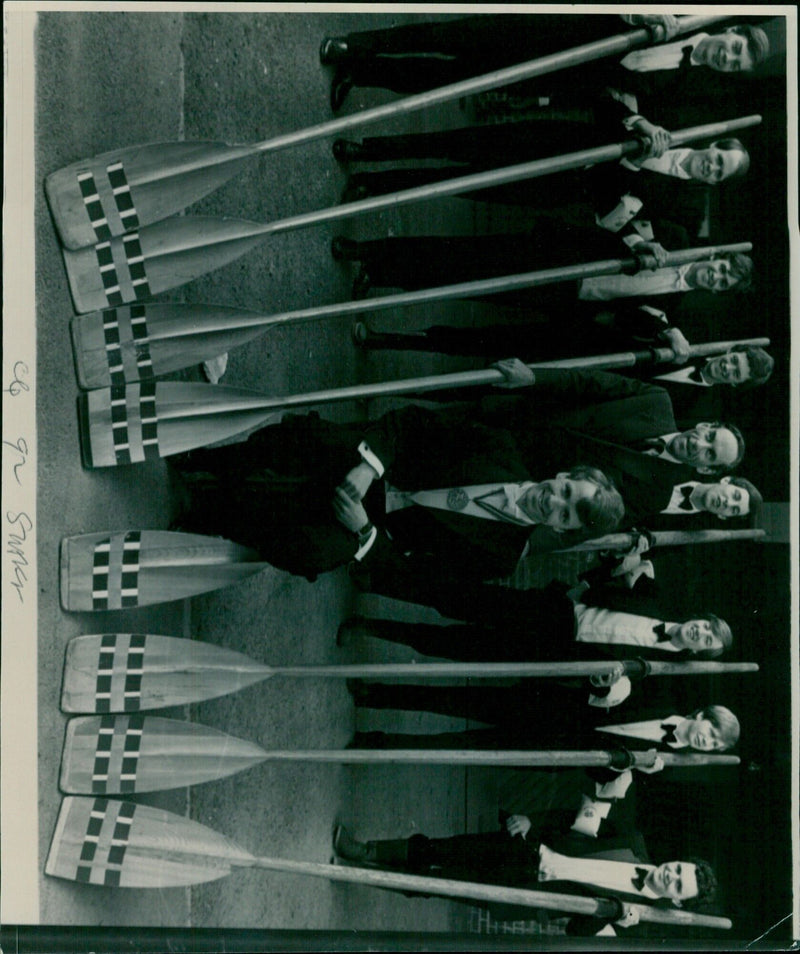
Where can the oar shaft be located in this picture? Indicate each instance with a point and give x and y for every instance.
(524, 758)
(619, 44)
(497, 177)
(698, 668)
(570, 903)
(666, 538)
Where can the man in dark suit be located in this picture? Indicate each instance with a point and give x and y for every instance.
(551, 856)
(294, 492)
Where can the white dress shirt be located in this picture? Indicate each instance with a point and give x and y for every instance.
(669, 164)
(661, 281)
(683, 376)
(616, 876)
(664, 56)
(649, 730)
(675, 500)
(598, 625)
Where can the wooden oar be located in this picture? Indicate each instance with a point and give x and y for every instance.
(122, 844)
(127, 754)
(128, 424)
(95, 199)
(119, 570)
(157, 257)
(134, 672)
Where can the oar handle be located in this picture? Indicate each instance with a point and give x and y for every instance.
(525, 897)
(619, 44)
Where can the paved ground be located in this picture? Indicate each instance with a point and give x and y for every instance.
(106, 80)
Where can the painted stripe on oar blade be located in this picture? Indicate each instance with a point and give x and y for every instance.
(169, 566)
(138, 185)
(122, 754)
(115, 843)
(155, 258)
(121, 672)
(149, 338)
(136, 422)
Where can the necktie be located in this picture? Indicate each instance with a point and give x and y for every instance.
(669, 732)
(661, 633)
(638, 881)
(686, 492)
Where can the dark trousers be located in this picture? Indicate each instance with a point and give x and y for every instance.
(274, 493)
(491, 858)
(420, 56)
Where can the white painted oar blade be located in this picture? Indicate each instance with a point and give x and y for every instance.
(127, 754)
(116, 843)
(95, 199)
(135, 342)
(152, 419)
(135, 672)
(155, 258)
(121, 570)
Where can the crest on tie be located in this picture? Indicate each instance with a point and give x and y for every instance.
(457, 498)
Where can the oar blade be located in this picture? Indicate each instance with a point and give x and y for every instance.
(96, 199)
(120, 844)
(121, 570)
(147, 420)
(127, 754)
(133, 672)
(136, 342)
(155, 258)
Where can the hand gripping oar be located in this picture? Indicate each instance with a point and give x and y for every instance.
(95, 199)
(167, 254)
(122, 844)
(127, 424)
(127, 754)
(134, 672)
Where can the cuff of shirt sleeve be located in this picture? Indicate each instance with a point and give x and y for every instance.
(617, 788)
(370, 458)
(618, 693)
(365, 547)
(630, 121)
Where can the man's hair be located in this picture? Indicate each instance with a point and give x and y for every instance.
(740, 448)
(706, 883)
(735, 145)
(757, 42)
(721, 630)
(756, 500)
(723, 720)
(604, 512)
(760, 363)
(741, 269)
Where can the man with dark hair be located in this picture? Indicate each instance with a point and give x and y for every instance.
(743, 367)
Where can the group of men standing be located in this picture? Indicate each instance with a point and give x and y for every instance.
(434, 504)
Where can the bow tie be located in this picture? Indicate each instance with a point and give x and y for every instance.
(660, 629)
(669, 732)
(686, 492)
(638, 881)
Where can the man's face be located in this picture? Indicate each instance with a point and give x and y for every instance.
(675, 880)
(705, 447)
(703, 736)
(554, 502)
(714, 275)
(726, 500)
(712, 165)
(725, 52)
(696, 635)
(731, 368)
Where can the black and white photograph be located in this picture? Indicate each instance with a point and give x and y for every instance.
(307, 642)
